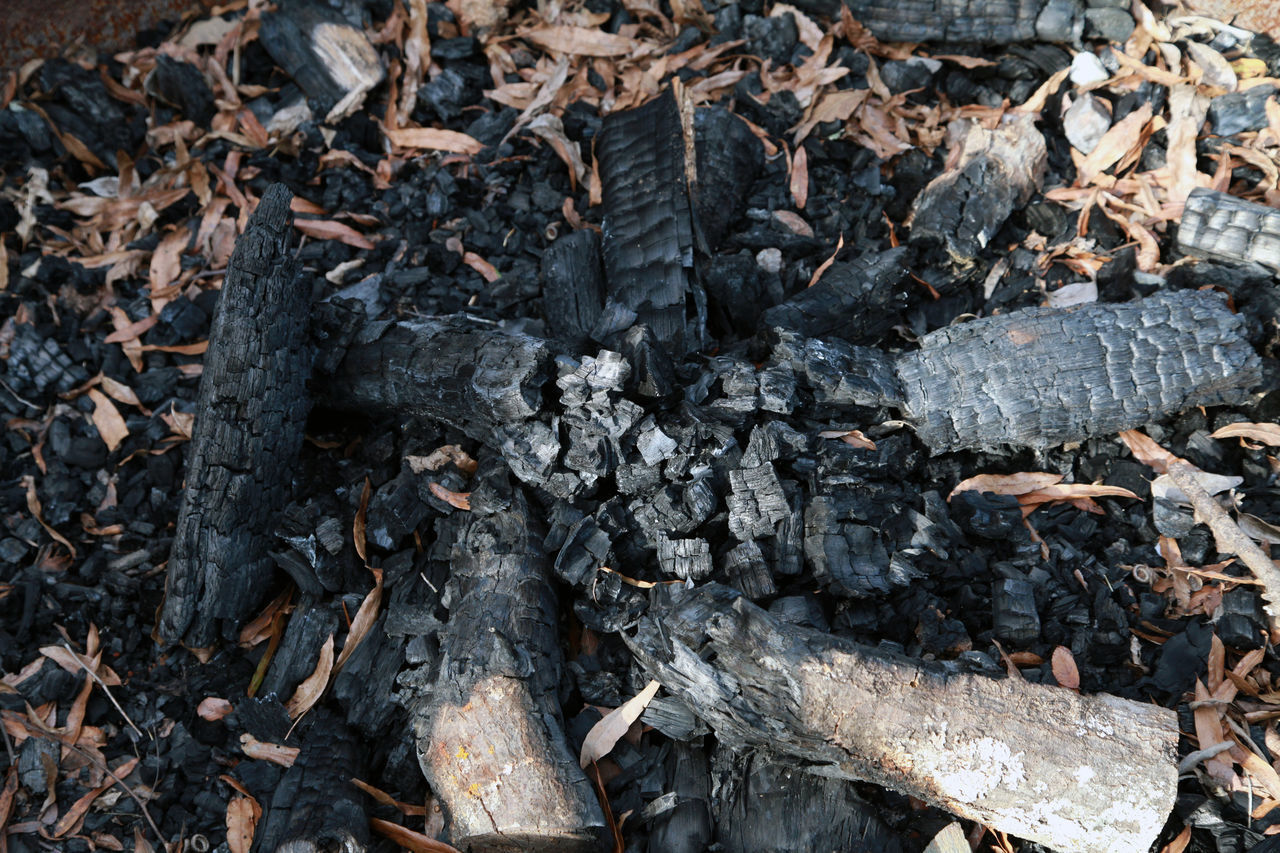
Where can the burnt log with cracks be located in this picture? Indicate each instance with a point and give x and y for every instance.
(489, 732)
(960, 741)
(971, 21)
(1044, 376)
(1222, 227)
(252, 408)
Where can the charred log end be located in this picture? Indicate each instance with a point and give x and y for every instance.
(505, 782)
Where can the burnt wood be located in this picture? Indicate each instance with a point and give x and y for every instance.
(648, 236)
(975, 21)
(1226, 228)
(1081, 773)
(489, 730)
(250, 416)
(573, 290)
(1043, 376)
(856, 300)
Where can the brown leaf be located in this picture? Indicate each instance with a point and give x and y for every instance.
(549, 128)
(800, 178)
(852, 437)
(584, 41)
(1266, 433)
(606, 733)
(487, 270)
(1146, 451)
(795, 222)
(166, 260)
(312, 687)
(826, 265)
(457, 500)
(327, 229)
(386, 799)
(122, 393)
(963, 61)
(214, 708)
(365, 617)
(1072, 491)
(1007, 484)
(436, 459)
(111, 426)
(74, 815)
(434, 139)
(358, 526)
(33, 506)
(263, 751)
(408, 839)
(1115, 144)
(1064, 668)
(243, 814)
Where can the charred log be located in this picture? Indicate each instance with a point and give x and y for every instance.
(998, 22)
(1220, 226)
(988, 750)
(315, 807)
(490, 738)
(728, 158)
(648, 220)
(252, 408)
(1043, 376)
(855, 300)
(573, 290)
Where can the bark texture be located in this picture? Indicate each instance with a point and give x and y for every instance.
(1043, 376)
(252, 408)
(490, 736)
(1220, 226)
(1079, 773)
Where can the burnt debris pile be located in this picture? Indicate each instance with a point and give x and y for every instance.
(394, 389)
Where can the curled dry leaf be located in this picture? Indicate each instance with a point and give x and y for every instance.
(365, 618)
(358, 526)
(1007, 484)
(327, 229)
(487, 270)
(1146, 451)
(408, 839)
(800, 178)
(273, 752)
(550, 129)
(853, 437)
(434, 139)
(1064, 668)
(606, 733)
(457, 500)
(313, 686)
(583, 41)
(1266, 433)
(33, 506)
(795, 222)
(213, 708)
(111, 426)
(436, 459)
(243, 814)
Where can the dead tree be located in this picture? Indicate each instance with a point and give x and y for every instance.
(1080, 773)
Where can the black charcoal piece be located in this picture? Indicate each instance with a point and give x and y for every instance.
(573, 288)
(845, 554)
(36, 361)
(181, 84)
(839, 374)
(989, 515)
(855, 300)
(1226, 228)
(746, 569)
(1237, 112)
(997, 22)
(687, 559)
(310, 625)
(331, 60)
(1043, 376)
(1013, 611)
(756, 503)
(252, 409)
(1243, 623)
(728, 158)
(648, 226)
(686, 826)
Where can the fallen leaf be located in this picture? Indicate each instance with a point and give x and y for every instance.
(436, 459)
(794, 222)
(457, 500)
(309, 691)
(1072, 491)
(606, 733)
(853, 437)
(263, 751)
(327, 229)
(1114, 145)
(800, 178)
(111, 426)
(1146, 451)
(33, 506)
(366, 616)
(243, 814)
(826, 265)
(358, 526)
(584, 41)
(487, 270)
(1164, 488)
(70, 821)
(969, 62)
(408, 839)
(1266, 433)
(214, 708)
(549, 128)
(122, 393)
(1064, 668)
(1007, 484)
(386, 799)
(950, 840)
(433, 139)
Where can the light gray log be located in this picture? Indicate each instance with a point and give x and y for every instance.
(1220, 226)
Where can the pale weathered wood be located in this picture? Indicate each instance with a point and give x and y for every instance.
(1090, 774)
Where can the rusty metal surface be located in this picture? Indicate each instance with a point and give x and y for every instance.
(43, 28)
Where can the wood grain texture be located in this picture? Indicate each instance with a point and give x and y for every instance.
(1091, 774)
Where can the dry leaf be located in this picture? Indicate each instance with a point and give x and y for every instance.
(166, 261)
(1164, 488)
(1007, 484)
(263, 751)
(358, 526)
(1266, 433)
(433, 139)
(851, 436)
(366, 616)
(1114, 145)
(549, 128)
(826, 265)
(33, 506)
(794, 222)
(1064, 668)
(800, 178)
(310, 690)
(1146, 451)
(111, 426)
(243, 814)
(487, 270)
(584, 41)
(214, 708)
(606, 733)
(457, 500)
(327, 229)
(437, 458)
(386, 799)
(70, 821)
(1073, 491)
(408, 839)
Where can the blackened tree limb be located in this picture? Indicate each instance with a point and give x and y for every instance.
(648, 221)
(971, 21)
(448, 369)
(1221, 226)
(490, 737)
(1081, 773)
(854, 300)
(1043, 376)
(252, 408)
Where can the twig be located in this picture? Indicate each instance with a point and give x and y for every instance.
(1228, 537)
(105, 689)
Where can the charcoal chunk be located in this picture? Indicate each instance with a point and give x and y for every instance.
(1013, 611)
